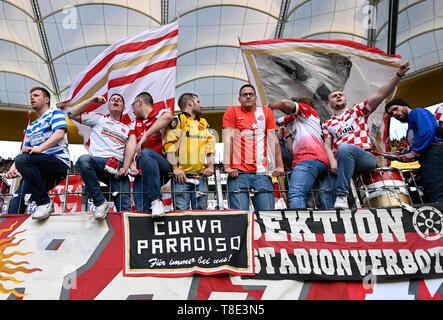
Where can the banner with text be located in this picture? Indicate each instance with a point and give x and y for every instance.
(186, 242)
(383, 245)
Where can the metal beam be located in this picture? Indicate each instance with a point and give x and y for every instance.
(165, 11)
(282, 18)
(392, 26)
(44, 40)
(372, 24)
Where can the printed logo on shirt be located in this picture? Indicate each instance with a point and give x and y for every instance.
(37, 139)
(343, 131)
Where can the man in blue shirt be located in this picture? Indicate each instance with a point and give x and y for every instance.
(44, 159)
(425, 146)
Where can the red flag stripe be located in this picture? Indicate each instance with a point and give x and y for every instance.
(131, 78)
(148, 69)
(130, 47)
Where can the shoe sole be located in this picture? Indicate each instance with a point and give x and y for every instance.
(158, 215)
(102, 216)
(42, 217)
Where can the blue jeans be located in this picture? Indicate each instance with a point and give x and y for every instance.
(140, 194)
(155, 169)
(303, 177)
(188, 193)
(40, 173)
(92, 170)
(351, 159)
(431, 169)
(239, 188)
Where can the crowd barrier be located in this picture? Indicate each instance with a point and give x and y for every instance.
(382, 187)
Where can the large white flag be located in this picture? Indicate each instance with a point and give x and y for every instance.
(286, 68)
(145, 61)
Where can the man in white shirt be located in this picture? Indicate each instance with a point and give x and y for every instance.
(107, 140)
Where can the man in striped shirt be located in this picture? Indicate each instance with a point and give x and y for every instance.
(44, 159)
(249, 134)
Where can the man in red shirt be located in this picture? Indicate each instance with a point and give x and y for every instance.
(146, 138)
(249, 134)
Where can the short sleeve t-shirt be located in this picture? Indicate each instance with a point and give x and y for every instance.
(40, 130)
(351, 127)
(250, 146)
(108, 136)
(139, 127)
(306, 136)
(191, 140)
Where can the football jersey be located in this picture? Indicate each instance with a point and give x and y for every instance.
(40, 130)
(108, 137)
(351, 127)
(139, 127)
(191, 141)
(249, 149)
(439, 114)
(307, 142)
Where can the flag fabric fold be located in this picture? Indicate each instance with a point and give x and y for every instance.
(286, 68)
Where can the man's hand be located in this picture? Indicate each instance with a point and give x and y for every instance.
(36, 150)
(123, 171)
(133, 171)
(403, 68)
(26, 149)
(179, 175)
(99, 100)
(233, 173)
(278, 171)
(12, 173)
(208, 172)
(407, 157)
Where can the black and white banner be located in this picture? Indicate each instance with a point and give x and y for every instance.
(186, 242)
(389, 244)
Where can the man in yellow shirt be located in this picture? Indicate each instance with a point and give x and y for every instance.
(190, 149)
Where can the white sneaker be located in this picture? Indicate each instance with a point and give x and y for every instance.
(43, 211)
(157, 208)
(341, 202)
(101, 211)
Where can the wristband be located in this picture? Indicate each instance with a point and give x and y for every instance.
(399, 75)
(288, 136)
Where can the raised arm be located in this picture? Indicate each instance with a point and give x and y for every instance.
(75, 111)
(388, 87)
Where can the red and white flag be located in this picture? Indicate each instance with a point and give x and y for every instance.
(286, 68)
(145, 61)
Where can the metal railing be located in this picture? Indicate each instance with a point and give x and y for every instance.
(382, 187)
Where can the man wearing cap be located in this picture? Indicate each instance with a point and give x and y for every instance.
(425, 146)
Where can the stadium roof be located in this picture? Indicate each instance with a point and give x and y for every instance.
(48, 42)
